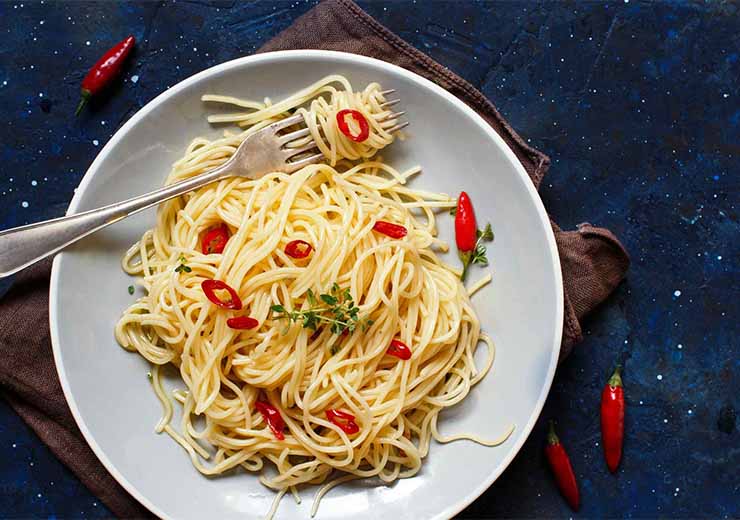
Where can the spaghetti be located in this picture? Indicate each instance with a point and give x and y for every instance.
(286, 393)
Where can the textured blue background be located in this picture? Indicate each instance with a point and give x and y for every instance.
(637, 104)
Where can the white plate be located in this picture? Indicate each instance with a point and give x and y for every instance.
(107, 388)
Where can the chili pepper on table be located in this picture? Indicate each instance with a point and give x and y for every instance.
(468, 237)
(346, 421)
(298, 249)
(559, 462)
(363, 131)
(612, 419)
(272, 417)
(211, 286)
(105, 70)
(389, 229)
(214, 241)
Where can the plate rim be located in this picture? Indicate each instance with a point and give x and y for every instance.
(463, 501)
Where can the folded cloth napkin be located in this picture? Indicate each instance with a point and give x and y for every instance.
(593, 261)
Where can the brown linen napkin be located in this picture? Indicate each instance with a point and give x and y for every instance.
(593, 261)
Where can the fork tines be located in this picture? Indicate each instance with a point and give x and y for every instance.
(301, 146)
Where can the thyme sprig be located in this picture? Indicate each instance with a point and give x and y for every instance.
(478, 254)
(336, 308)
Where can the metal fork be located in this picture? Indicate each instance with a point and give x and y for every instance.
(267, 150)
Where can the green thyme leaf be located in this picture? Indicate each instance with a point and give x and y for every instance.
(311, 298)
(366, 325)
(486, 234)
(479, 256)
(183, 266)
(328, 299)
(131, 289)
(277, 308)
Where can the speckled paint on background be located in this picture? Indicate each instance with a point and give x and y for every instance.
(638, 106)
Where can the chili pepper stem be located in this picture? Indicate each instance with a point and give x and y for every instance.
(616, 378)
(465, 257)
(83, 101)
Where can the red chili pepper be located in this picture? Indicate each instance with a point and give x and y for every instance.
(214, 241)
(612, 419)
(561, 468)
(346, 421)
(399, 349)
(242, 322)
(466, 231)
(105, 70)
(272, 417)
(298, 249)
(211, 286)
(465, 225)
(389, 229)
(359, 119)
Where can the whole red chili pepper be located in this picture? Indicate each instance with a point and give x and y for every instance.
(242, 322)
(364, 132)
(346, 421)
(272, 417)
(466, 230)
(465, 225)
(214, 241)
(399, 349)
(104, 70)
(389, 229)
(561, 468)
(612, 419)
(211, 286)
(298, 249)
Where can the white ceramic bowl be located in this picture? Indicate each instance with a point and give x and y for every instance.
(107, 388)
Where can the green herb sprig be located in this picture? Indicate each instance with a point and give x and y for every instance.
(478, 254)
(183, 267)
(338, 310)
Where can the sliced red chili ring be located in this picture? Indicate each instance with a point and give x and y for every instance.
(298, 249)
(364, 132)
(272, 417)
(346, 421)
(211, 286)
(390, 229)
(242, 322)
(399, 349)
(214, 241)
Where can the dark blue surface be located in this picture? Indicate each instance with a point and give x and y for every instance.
(638, 106)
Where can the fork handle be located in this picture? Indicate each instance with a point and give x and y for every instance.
(25, 245)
